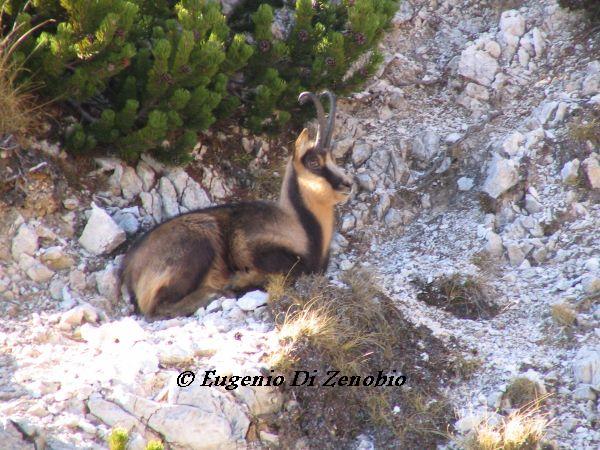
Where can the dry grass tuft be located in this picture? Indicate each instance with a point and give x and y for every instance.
(521, 430)
(564, 315)
(357, 330)
(523, 392)
(584, 131)
(465, 296)
(19, 111)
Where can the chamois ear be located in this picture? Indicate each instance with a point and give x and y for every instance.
(302, 145)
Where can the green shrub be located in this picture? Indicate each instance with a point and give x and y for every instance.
(141, 75)
(325, 40)
(149, 75)
(118, 439)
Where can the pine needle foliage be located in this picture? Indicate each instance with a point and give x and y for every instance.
(143, 75)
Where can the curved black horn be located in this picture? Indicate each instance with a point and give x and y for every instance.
(331, 121)
(322, 128)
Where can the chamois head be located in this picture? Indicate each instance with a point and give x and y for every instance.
(318, 175)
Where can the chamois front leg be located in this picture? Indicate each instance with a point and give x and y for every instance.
(280, 260)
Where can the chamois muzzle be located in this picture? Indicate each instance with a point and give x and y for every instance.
(325, 128)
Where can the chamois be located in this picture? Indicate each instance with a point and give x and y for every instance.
(179, 265)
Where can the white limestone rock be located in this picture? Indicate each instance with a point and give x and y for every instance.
(56, 258)
(78, 315)
(360, 153)
(591, 169)
(477, 65)
(101, 234)
(465, 183)
(502, 175)
(252, 300)
(131, 184)
(586, 367)
(107, 282)
(494, 244)
(570, 172)
(25, 241)
(152, 204)
(146, 174)
(425, 146)
(168, 195)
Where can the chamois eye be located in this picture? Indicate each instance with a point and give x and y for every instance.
(313, 162)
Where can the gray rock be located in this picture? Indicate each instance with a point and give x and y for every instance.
(540, 254)
(55, 289)
(168, 195)
(11, 437)
(37, 271)
(127, 220)
(383, 206)
(348, 222)
(512, 27)
(114, 181)
(477, 92)
(131, 184)
(477, 65)
(228, 304)
(107, 282)
(591, 169)
(393, 218)
(512, 142)
(157, 166)
(592, 264)
(252, 300)
(532, 205)
(465, 183)
(25, 241)
(101, 234)
(112, 414)
(591, 83)
(194, 197)
(493, 48)
(494, 244)
(570, 172)
(539, 43)
(261, 400)
(512, 23)
(584, 393)
(365, 182)
(360, 153)
(590, 284)
(146, 174)
(342, 147)
(213, 306)
(78, 315)
(515, 254)
(152, 204)
(283, 22)
(56, 258)
(586, 367)
(216, 185)
(425, 146)
(216, 407)
(502, 175)
(544, 112)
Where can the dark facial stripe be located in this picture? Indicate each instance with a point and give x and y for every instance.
(334, 180)
(310, 224)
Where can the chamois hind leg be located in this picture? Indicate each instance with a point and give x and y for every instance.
(187, 306)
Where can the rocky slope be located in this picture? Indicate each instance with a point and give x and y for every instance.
(476, 155)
